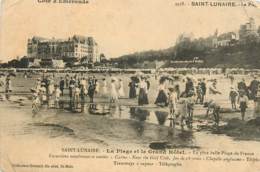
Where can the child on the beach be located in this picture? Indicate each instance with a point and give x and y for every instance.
(182, 106)
(36, 103)
(190, 101)
(215, 108)
(172, 99)
(199, 93)
(57, 96)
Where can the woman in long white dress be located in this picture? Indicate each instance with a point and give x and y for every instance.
(51, 87)
(114, 93)
(83, 83)
(38, 85)
(121, 92)
(104, 91)
(97, 90)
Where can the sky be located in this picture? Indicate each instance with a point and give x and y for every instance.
(119, 26)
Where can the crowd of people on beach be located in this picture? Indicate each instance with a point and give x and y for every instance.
(49, 90)
(179, 95)
(180, 101)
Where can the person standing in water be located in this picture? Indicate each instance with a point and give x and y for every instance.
(57, 93)
(104, 87)
(243, 104)
(114, 94)
(38, 85)
(253, 87)
(172, 105)
(161, 99)
(36, 104)
(232, 97)
(177, 90)
(148, 83)
(62, 85)
(43, 94)
(91, 89)
(143, 98)
(67, 78)
(121, 92)
(72, 83)
(77, 95)
(8, 85)
(97, 90)
(199, 93)
(190, 107)
(51, 88)
(189, 86)
(132, 88)
(204, 90)
(82, 94)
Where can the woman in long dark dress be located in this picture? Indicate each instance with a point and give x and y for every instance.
(243, 102)
(143, 98)
(91, 89)
(162, 99)
(253, 89)
(132, 89)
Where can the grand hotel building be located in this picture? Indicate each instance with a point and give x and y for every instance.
(75, 47)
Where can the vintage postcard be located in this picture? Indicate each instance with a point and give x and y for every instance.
(129, 85)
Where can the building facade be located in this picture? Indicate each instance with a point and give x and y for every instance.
(76, 47)
(226, 39)
(248, 29)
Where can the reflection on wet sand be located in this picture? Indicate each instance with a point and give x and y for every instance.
(108, 124)
(144, 124)
(140, 115)
(161, 117)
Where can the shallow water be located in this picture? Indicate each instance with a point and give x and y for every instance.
(109, 125)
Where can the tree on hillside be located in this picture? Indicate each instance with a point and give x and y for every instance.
(187, 48)
(251, 39)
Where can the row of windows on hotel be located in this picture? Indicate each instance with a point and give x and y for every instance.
(53, 50)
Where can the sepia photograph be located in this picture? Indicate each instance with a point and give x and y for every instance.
(126, 85)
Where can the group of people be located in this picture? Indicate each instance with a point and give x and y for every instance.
(243, 93)
(180, 101)
(169, 95)
(195, 91)
(48, 91)
(6, 83)
(180, 95)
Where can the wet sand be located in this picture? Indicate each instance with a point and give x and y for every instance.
(53, 129)
(125, 126)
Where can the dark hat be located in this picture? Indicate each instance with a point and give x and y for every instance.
(171, 89)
